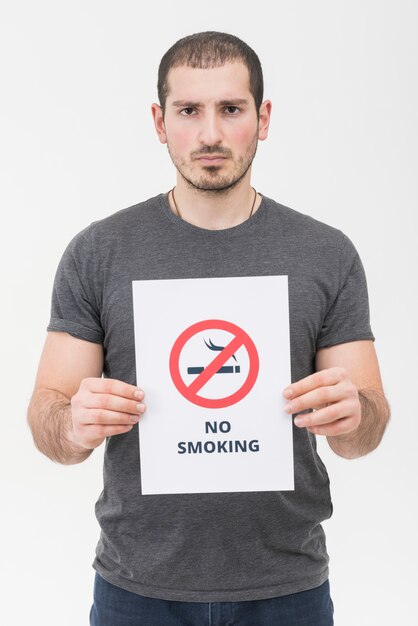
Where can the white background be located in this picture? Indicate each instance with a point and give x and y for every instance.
(77, 143)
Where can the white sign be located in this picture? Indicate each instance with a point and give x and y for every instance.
(213, 358)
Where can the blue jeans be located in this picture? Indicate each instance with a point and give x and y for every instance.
(114, 606)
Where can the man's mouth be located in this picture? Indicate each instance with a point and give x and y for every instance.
(211, 159)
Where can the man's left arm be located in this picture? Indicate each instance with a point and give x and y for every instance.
(347, 398)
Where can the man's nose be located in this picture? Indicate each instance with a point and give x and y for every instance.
(210, 130)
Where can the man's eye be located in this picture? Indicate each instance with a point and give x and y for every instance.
(187, 111)
(234, 109)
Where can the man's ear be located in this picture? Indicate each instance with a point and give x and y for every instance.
(157, 114)
(264, 119)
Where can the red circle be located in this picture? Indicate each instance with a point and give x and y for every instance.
(214, 403)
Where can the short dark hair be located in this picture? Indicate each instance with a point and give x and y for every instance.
(210, 49)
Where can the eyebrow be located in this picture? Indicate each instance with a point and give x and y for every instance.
(189, 103)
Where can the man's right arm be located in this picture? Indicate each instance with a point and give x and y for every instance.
(73, 409)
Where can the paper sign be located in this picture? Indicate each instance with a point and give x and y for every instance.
(213, 358)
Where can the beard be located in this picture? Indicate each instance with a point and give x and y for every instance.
(211, 179)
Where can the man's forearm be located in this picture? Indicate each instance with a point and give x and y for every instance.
(374, 418)
(49, 417)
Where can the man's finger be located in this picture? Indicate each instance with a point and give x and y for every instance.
(317, 398)
(330, 376)
(329, 414)
(113, 386)
(108, 418)
(98, 430)
(340, 427)
(112, 403)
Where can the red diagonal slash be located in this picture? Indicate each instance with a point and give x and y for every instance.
(216, 364)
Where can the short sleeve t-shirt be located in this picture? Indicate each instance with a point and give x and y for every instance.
(213, 546)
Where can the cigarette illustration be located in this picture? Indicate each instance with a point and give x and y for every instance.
(225, 369)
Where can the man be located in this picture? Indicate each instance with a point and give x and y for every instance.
(264, 560)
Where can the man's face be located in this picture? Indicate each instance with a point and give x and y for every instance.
(210, 125)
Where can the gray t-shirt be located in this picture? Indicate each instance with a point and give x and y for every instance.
(213, 546)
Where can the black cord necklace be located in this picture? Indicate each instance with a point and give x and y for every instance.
(178, 212)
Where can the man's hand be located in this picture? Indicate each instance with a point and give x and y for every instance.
(346, 393)
(73, 409)
(334, 399)
(103, 407)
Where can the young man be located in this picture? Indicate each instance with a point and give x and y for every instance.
(264, 560)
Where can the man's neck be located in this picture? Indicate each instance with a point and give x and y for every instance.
(214, 211)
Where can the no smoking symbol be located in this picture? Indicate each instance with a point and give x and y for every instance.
(190, 392)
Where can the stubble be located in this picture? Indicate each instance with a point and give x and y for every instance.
(210, 179)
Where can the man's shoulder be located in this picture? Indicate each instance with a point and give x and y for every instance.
(294, 223)
(103, 234)
(125, 219)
